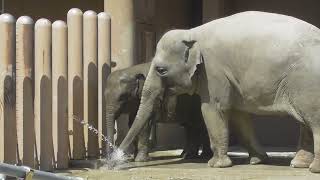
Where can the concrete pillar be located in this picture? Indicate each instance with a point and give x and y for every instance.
(75, 84)
(104, 69)
(60, 93)
(90, 77)
(8, 136)
(43, 94)
(24, 89)
(123, 31)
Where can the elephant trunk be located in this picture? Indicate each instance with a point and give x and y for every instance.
(151, 90)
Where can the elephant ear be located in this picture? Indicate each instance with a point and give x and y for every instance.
(140, 79)
(192, 56)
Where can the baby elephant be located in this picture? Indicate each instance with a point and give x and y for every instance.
(123, 93)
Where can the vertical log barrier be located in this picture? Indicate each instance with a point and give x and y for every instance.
(43, 94)
(90, 76)
(8, 140)
(75, 83)
(60, 93)
(24, 91)
(42, 127)
(104, 69)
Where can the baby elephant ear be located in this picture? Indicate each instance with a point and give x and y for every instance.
(193, 56)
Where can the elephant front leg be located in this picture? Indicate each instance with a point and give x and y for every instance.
(143, 144)
(217, 125)
(304, 156)
(242, 125)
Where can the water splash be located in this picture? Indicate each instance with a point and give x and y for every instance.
(117, 157)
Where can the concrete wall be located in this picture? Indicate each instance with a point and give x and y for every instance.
(51, 9)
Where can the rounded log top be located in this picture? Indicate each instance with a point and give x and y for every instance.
(43, 22)
(8, 18)
(25, 20)
(74, 12)
(90, 13)
(59, 24)
(104, 15)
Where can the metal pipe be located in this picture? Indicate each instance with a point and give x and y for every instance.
(28, 173)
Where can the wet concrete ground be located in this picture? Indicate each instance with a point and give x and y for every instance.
(168, 166)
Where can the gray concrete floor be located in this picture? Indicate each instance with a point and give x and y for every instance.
(168, 166)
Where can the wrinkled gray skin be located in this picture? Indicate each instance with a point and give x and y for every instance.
(123, 94)
(250, 62)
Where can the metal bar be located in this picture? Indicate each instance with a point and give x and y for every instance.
(23, 172)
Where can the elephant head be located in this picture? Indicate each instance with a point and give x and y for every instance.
(121, 88)
(173, 66)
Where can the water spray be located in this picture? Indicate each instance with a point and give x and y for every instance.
(117, 156)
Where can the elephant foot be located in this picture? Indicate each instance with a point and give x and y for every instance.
(258, 159)
(220, 162)
(302, 159)
(142, 157)
(315, 166)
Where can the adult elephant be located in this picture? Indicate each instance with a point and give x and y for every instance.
(250, 62)
(123, 95)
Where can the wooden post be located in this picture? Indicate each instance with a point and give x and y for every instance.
(60, 93)
(8, 136)
(24, 90)
(104, 69)
(90, 76)
(75, 84)
(43, 94)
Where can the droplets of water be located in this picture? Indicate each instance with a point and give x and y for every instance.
(114, 159)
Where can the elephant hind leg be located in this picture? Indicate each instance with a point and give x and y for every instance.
(315, 165)
(304, 156)
(242, 125)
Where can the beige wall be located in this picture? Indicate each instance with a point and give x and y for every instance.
(51, 9)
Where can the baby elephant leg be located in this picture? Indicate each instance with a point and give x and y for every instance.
(143, 144)
(191, 148)
(206, 150)
(242, 126)
(304, 156)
